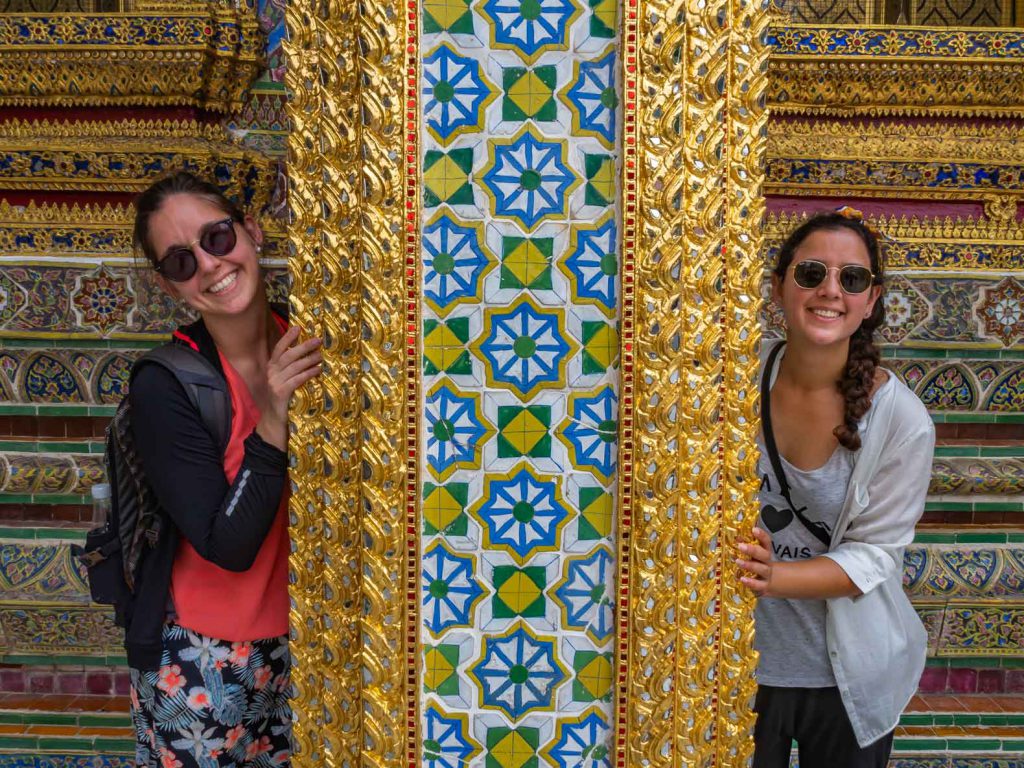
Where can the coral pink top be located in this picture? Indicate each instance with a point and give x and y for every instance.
(227, 605)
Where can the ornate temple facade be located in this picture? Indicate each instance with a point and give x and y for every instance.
(534, 236)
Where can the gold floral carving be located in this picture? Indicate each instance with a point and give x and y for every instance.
(934, 161)
(320, 434)
(126, 156)
(201, 55)
(1002, 208)
(913, 71)
(389, 210)
(36, 229)
(933, 141)
(353, 643)
(931, 243)
(46, 229)
(693, 236)
(136, 129)
(49, 213)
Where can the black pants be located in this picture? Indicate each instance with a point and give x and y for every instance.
(816, 720)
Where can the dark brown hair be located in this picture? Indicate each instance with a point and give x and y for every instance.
(863, 357)
(178, 183)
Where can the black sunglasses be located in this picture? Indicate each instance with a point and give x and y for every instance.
(853, 278)
(218, 238)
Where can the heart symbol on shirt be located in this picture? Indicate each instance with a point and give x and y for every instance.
(776, 519)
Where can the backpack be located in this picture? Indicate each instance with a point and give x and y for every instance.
(114, 551)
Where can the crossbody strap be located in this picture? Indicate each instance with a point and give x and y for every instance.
(817, 530)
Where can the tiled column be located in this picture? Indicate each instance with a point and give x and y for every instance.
(519, 425)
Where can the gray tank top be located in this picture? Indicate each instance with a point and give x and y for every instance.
(790, 634)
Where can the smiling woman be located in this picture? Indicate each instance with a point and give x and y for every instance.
(845, 462)
(207, 634)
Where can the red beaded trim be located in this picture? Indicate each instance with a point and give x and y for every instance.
(627, 367)
(412, 365)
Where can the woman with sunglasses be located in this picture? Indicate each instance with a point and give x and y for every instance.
(211, 686)
(845, 462)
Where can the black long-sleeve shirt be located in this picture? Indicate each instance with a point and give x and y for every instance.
(225, 523)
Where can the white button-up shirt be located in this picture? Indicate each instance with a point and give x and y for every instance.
(876, 642)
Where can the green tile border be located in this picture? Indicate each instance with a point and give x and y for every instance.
(957, 451)
(905, 352)
(94, 446)
(962, 719)
(42, 533)
(974, 745)
(919, 744)
(65, 343)
(44, 498)
(111, 745)
(49, 718)
(955, 744)
(98, 747)
(18, 742)
(99, 661)
(974, 417)
(980, 537)
(1002, 451)
(105, 719)
(979, 451)
(66, 743)
(979, 662)
(975, 506)
(57, 410)
(76, 718)
(983, 536)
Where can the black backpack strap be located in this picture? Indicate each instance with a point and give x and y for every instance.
(818, 530)
(206, 388)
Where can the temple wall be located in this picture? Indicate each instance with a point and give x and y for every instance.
(922, 129)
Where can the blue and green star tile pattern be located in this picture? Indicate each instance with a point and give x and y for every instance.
(520, 286)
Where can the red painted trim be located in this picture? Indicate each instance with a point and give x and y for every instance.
(628, 245)
(412, 390)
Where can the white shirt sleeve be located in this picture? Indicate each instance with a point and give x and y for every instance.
(871, 551)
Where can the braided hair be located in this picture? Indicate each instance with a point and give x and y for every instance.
(863, 357)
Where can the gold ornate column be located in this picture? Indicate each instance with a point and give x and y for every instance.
(693, 235)
(689, 81)
(347, 165)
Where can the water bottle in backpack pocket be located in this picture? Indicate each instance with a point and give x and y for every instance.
(116, 543)
(101, 554)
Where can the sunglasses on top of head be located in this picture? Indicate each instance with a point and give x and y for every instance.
(853, 278)
(218, 238)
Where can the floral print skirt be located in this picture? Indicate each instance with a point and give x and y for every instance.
(213, 704)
